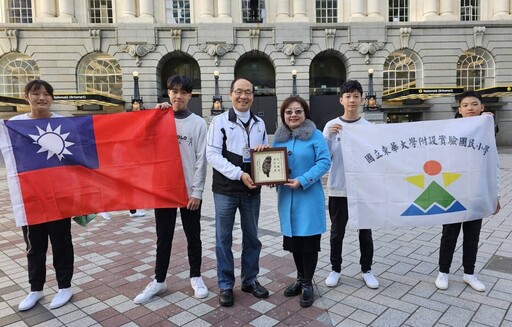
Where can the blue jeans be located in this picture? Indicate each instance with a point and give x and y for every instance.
(225, 211)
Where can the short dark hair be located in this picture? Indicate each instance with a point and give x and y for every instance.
(351, 86)
(473, 94)
(294, 98)
(37, 84)
(180, 80)
(236, 80)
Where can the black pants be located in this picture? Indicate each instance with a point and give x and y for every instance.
(165, 225)
(338, 212)
(36, 239)
(305, 254)
(471, 230)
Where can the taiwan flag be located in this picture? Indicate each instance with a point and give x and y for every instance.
(71, 166)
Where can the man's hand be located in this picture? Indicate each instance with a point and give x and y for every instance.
(193, 203)
(164, 105)
(261, 147)
(335, 129)
(247, 180)
(498, 207)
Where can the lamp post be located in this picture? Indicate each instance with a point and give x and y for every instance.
(137, 103)
(370, 102)
(294, 82)
(217, 107)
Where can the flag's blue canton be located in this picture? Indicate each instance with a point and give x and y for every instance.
(81, 133)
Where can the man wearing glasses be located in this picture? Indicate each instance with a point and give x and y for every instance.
(231, 135)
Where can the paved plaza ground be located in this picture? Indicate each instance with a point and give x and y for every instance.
(114, 262)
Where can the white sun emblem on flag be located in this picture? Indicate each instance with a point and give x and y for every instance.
(52, 141)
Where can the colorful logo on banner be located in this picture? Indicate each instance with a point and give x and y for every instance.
(435, 199)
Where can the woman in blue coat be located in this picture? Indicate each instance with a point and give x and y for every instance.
(301, 201)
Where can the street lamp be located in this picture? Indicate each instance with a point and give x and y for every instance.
(217, 107)
(370, 102)
(294, 82)
(137, 103)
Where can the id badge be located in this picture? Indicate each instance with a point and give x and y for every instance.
(246, 153)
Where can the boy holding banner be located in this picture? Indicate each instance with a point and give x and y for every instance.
(351, 98)
(470, 105)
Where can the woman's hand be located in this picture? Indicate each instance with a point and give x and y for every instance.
(293, 183)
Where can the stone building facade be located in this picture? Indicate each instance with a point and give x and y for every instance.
(420, 53)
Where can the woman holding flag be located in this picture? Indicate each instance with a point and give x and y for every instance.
(39, 95)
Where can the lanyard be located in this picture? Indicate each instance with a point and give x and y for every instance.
(247, 130)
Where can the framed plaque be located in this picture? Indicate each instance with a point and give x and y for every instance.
(269, 166)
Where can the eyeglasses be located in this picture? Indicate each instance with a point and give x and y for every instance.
(290, 112)
(240, 92)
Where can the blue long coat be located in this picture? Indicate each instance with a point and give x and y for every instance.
(302, 210)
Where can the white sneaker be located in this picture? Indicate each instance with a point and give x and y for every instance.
(31, 300)
(138, 213)
(442, 281)
(370, 280)
(200, 289)
(62, 297)
(153, 288)
(332, 279)
(473, 281)
(105, 215)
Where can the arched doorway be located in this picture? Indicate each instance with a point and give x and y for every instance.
(326, 74)
(259, 70)
(180, 63)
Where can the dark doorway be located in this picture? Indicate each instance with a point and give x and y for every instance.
(403, 117)
(327, 73)
(256, 67)
(327, 107)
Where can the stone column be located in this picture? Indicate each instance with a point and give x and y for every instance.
(146, 10)
(224, 8)
(373, 8)
(501, 9)
(283, 9)
(47, 8)
(429, 9)
(127, 8)
(446, 8)
(356, 9)
(66, 8)
(299, 8)
(206, 8)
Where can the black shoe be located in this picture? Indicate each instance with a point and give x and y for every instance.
(256, 289)
(307, 297)
(293, 289)
(226, 297)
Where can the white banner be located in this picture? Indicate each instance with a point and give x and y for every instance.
(421, 173)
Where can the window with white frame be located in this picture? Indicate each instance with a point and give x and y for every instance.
(398, 10)
(100, 11)
(20, 11)
(16, 70)
(177, 11)
(253, 11)
(469, 10)
(326, 11)
(100, 73)
(402, 70)
(475, 69)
